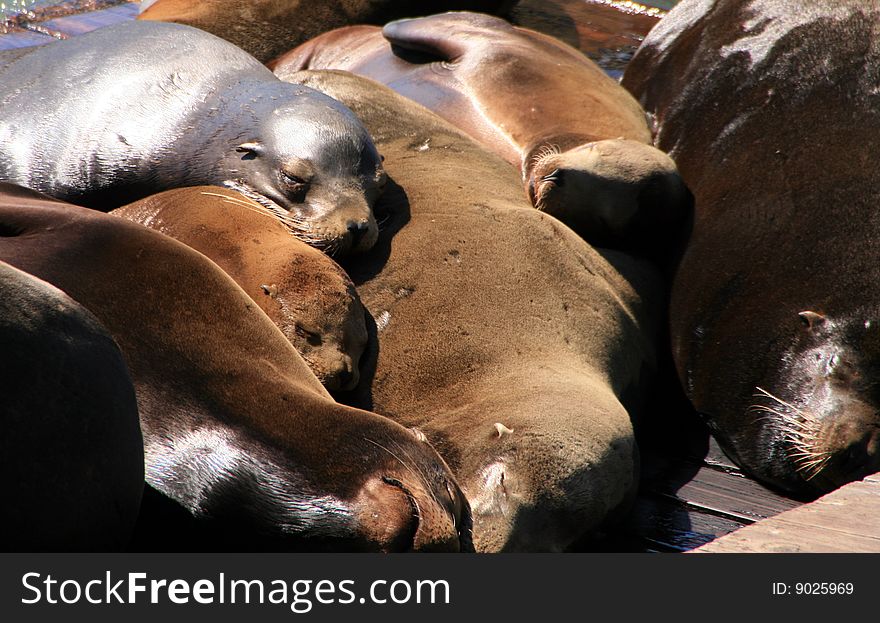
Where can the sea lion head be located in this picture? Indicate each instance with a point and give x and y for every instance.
(818, 421)
(413, 503)
(325, 321)
(314, 165)
(607, 191)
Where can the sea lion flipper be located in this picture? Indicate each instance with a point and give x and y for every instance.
(440, 35)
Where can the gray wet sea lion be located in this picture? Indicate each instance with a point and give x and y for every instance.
(129, 110)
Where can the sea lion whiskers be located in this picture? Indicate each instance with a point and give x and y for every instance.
(244, 202)
(380, 223)
(298, 226)
(409, 468)
(412, 468)
(423, 475)
(545, 152)
(800, 429)
(254, 206)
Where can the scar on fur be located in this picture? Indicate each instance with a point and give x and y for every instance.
(502, 429)
(418, 434)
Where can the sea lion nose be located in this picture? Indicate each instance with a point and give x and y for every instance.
(862, 456)
(348, 378)
(357, 230)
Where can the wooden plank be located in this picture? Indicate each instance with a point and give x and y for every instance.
(668, 526)
(73, 25)
(659, 524)
(23, 39)
(709, 488)
(733, 495)
(845, 520)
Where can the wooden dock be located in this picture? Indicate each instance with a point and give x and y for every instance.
(692, 497)
(51, 24)
(844, 521)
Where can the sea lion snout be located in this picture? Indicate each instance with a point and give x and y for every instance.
(852, 449)
(358, 230)
(342, 375)
(611, 192)
(822, 414)
(401, 515)
(347, 224)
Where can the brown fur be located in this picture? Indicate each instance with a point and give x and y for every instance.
(206, 361)
(491, 312)
(771, 114)
(303, 291)
(266, 28)
(580, 140)
(71, 450)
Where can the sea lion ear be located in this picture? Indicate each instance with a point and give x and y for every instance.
(811, 319)
(251, 150)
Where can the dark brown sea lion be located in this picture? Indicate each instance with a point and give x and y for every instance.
(267, 28)
(771, 114)
(581, 142)
(236, 427)
(129, 110)
(304, 292)
(511, 343)
(70, 447)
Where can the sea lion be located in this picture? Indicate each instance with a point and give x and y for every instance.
(491, 313)
(71, 448)
(236, 427)
(581, 142)
(771, 115)
(304, 292)
(267, 28)
(125, 111)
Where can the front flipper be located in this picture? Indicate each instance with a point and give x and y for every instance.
(446, 37)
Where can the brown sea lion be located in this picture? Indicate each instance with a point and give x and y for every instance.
(581, 141)
(236, 427)
(513, 345)
(304, 292)
(129, 110)
(771, 114)
(70, 447)
(267, 28)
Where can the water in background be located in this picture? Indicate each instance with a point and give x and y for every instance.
(10, 8)
(13, 7)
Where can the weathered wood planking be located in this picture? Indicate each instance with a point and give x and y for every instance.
(40, 31)
(73, 25)
(845, 520)
(23, 39)
(724, 492)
